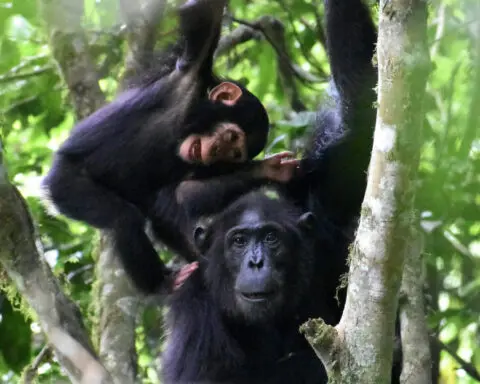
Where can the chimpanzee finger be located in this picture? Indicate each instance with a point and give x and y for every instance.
(184, 274)
(290, 161)
(282, 155)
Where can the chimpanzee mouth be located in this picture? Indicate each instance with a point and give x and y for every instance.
(257, 297)
(195, 152)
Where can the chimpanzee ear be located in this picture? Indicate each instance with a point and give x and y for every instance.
(307, 221)
(226, 92)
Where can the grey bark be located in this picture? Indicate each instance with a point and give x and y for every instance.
(117, 308)
(59, 317)
(417, 363)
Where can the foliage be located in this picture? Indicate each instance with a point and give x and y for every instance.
(36, 115)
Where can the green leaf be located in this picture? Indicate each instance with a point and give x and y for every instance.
(18, 28)
(15, 337)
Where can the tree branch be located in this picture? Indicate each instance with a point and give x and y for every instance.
(276, 32)
(70, 50)
(259, 25)
(238, 36)
(117, 308)
(142, 26)
(416, 367)
(59, 317)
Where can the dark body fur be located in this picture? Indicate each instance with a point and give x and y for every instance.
(215, 335)
(109, 171)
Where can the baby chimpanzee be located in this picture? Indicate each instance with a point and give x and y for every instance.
(181, 122)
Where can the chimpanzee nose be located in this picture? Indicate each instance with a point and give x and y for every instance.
(255, 262)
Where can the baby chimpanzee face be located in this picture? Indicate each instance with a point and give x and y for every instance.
(227, 143)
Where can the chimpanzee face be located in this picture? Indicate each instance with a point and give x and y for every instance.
(226, 143)
(259, 259)
(257, 254)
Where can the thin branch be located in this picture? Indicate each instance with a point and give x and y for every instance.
(8, 77)
(469, 368)
(303, 76)
(319, 28)
(306, 55)
(28, 61)
(31, 371)
(238, 36)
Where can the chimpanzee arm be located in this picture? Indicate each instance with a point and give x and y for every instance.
(166, 89)
(200, 22)
(337, 161)
(171, 225)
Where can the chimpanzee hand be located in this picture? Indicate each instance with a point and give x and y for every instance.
(183, 274)
(280, 167)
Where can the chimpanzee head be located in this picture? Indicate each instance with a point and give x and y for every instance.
(259, 257)
(240, 131)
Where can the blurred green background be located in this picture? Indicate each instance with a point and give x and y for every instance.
(36, 115)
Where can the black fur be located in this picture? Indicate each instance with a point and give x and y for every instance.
(217, 337)
(109, 171)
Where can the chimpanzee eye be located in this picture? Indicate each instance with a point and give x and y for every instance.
(239, 240)
(271, 238)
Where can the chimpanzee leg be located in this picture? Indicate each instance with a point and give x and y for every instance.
(79, 197)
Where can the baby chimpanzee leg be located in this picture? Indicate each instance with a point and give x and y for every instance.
(85, 200)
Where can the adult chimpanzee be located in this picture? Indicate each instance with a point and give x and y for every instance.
(273, 259)
(176, 123)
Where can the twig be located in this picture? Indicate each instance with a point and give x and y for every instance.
(238, 36)
(305, 54)
(469, 368)
(299, 73)
(8, 77)
(31, 371)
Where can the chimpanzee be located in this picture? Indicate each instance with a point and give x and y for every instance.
(176, 123)
(274, 257)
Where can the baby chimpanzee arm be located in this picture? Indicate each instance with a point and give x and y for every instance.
(208, 196)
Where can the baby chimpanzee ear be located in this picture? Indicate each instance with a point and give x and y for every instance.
(307, 221)
(226, 92)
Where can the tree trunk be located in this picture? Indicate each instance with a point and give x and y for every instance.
(359, 349)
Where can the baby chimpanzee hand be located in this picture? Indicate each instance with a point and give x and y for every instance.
(280, 167)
